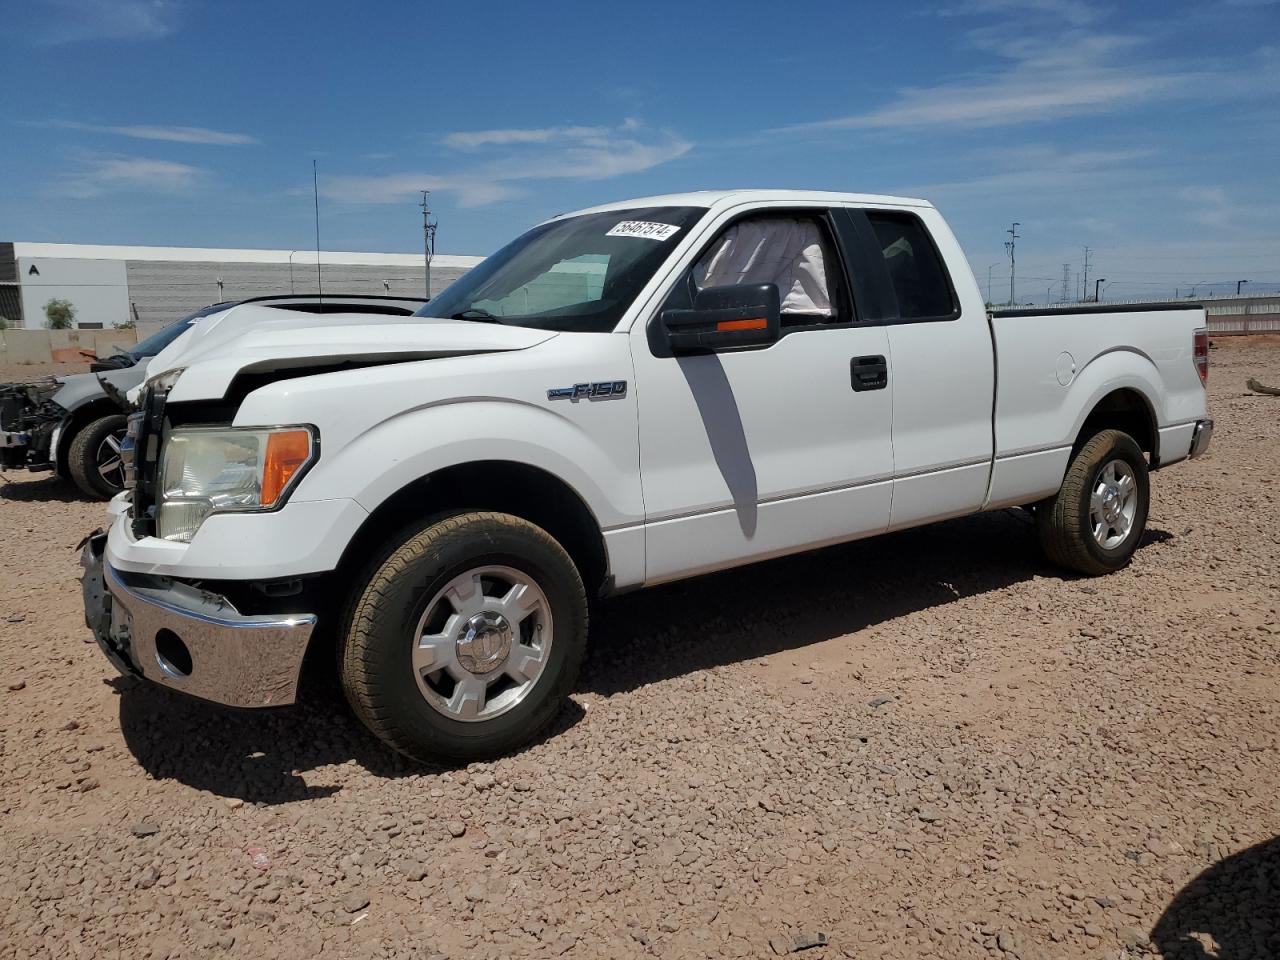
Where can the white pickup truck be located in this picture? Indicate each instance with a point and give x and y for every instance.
(621, 397)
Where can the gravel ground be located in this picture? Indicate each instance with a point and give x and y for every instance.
(25, 372)
(926, 745)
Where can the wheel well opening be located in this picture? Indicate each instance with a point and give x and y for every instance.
(80, 419)
(498, 485)
(1126, 410)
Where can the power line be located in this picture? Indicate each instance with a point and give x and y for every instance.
(428, 239)
(1011, 245)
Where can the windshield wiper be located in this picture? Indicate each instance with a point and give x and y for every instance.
(476, 313)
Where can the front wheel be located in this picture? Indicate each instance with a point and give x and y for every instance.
(464, 642)
(1095, 521)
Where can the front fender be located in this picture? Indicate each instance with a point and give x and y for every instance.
(411, 445)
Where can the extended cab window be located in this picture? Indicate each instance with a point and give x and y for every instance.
(915, 267)
(791, 252)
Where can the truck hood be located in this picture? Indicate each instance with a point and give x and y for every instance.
(256, 339)
(82, 388)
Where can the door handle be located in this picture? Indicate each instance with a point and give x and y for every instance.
(868, 373)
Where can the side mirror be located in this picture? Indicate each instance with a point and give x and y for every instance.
(741, 317)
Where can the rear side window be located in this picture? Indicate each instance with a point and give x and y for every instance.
(915, 267)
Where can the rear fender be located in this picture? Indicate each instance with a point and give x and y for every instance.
(1120, 369)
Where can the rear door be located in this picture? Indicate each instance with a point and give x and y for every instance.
(943, 381)
(757, 453)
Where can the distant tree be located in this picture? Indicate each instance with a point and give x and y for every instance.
(4, 323)
(129, 324)
(60, 313)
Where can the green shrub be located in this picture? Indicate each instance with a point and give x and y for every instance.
(60, 314)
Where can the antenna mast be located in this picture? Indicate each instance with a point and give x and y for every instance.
(428, 239)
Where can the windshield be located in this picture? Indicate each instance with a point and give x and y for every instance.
(166, 335)
(579, 274)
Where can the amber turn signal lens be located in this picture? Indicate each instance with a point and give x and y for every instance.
(286, 453)
(759, 323)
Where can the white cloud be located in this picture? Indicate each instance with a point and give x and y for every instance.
(1040, 81)
(1035, 168)
(1044, 60)
(70, 21)
(467, 140)
(113, 174)
(197, 135)
(1213, 206)
(516, 156)
(395, 187)
(1074, 12)
(201, 135)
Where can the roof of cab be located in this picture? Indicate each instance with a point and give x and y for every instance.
(710, 198)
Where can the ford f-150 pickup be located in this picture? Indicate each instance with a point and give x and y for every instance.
(621, 397)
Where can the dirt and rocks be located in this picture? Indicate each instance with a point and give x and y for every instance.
(926, 745)
(26, 372)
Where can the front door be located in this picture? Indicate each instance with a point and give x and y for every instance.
(757, 453)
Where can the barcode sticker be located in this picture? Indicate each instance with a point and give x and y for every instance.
(645, 229)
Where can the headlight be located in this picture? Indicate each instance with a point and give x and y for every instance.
(214, 470)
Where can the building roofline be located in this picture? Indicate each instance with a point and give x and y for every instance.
(94, 251)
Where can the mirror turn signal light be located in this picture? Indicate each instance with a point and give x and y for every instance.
(758, 323)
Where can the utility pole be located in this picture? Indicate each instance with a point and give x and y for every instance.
(1239, 284)
(428, 239)
(1085, 281)
(990, 302)
(1066, 281)
(1010, 247)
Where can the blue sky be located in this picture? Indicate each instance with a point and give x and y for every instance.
(1150, 134)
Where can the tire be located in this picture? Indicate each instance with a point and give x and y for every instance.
(1076, 530)
(425, 588)
(85, 458)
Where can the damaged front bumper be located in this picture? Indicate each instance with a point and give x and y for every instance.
(30, 423)
(191, 640)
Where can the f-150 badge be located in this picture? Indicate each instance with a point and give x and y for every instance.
(601, 390)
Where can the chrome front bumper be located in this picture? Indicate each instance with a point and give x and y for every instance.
(1201, 437)
(191, 640)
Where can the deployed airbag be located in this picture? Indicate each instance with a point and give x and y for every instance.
(778, 250)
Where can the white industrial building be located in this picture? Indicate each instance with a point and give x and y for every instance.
(110, 285)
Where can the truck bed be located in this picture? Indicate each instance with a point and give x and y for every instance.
(1055, 364)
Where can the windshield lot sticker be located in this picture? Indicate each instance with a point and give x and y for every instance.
(645, 229)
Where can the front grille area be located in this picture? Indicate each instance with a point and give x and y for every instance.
(142, 462)
(127, 448)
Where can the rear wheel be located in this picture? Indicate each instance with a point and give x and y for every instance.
(1095, 521)
(94, 460)
(464, 642)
